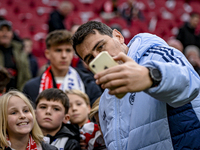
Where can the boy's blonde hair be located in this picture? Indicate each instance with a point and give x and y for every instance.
(79, 93)
(36, 131)
(95, 108)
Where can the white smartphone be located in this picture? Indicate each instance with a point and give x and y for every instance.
(102, 62)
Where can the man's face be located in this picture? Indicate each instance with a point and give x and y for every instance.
(5, 36)
(93, 44)
(60, 57)
(195, 21)
(66, 10)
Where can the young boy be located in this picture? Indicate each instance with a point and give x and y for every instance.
(51, 112)
(60, 74)
(78, 111)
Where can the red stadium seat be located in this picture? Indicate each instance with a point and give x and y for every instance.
(29, 18)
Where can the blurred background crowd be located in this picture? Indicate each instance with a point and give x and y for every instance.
(30, 18)
(26, 30)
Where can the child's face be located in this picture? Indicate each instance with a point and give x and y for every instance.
(60, 57)
(27, 46)
(50, 115)
(78, 110)
(20, 119)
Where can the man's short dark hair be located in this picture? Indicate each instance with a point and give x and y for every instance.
(4, 78)
(88, 28)
(54, 94)
(58, 37)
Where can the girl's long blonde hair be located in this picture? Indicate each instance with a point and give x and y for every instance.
(36, 131)
(95, 108)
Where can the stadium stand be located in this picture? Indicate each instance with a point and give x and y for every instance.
(29, 18)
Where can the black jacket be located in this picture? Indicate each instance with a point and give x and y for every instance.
(187, 35)
(55, 21)
(31, 88)
(73, 141)
(46, 146)
(33, 65)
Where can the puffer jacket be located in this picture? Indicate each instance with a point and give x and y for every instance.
(165, 117)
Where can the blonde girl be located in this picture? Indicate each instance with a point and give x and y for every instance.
(18, 127)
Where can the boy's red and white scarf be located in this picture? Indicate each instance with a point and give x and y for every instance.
(31, 144)
(46, 81)
(72, 80)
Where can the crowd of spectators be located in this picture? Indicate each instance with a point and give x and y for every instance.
(34, 57)
(34, 20)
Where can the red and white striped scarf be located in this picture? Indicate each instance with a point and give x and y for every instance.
(92, 135)
(72, 80)
(46, 81)
(31, 144)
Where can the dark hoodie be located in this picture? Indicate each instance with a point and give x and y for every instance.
(66, 131)
(187, 35)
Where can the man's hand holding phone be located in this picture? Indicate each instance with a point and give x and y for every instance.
(124, 78)
(102, 62)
